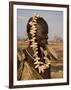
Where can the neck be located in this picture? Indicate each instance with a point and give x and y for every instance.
(39, 50)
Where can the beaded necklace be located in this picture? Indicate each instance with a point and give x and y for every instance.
(41, 66)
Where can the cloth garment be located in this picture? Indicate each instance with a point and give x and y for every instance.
(26, 70)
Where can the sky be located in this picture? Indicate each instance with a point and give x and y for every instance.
(53, 18)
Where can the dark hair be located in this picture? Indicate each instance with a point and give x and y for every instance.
(40, 22)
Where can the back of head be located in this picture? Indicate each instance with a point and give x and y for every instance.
(40, 25)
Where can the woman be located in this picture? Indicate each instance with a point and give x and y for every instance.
(34, 61)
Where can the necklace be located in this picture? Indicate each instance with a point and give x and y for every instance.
(29, 54)
(41, 66)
